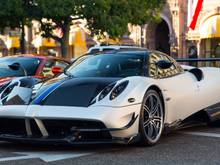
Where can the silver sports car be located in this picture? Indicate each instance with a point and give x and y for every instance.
(117, 97)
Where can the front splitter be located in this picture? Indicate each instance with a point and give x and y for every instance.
(60, 141)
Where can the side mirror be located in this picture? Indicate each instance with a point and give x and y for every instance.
(164, 64)
(57, 70)
(15, 66)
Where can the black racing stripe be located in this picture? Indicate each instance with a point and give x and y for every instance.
(77, 92)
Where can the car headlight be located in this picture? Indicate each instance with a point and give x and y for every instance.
(118, 89)
(106, 91)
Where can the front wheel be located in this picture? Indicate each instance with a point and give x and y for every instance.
(151, 118)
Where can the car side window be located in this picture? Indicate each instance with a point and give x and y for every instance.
(79, 60)
(61, 64)
(179, 69)
(153, 58)
(47, 69)
(156, 72)
(172, 71)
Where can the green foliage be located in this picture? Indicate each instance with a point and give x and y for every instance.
(56, 9)
(14, 12)
(111, 16)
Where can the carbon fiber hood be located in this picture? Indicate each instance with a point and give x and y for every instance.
(77, 91)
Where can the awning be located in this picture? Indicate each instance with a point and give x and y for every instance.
(44, 42)
(210, 28)
(48, 42)
(77, 37)
(78, 41)
(13, 42)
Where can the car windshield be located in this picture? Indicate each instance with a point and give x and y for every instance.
(108, 65)
(30, 65)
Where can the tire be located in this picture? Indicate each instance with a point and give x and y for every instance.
(151, 121)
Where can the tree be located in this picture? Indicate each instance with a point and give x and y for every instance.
(15, 14)
(111, 16)
(58, 15)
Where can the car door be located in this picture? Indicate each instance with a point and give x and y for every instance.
(209, 92)
(179, 87)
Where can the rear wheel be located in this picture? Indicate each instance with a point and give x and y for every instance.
(151, 118)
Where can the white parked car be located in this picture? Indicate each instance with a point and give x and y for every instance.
(108, 48)
(119, 97)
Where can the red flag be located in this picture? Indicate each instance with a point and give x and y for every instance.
(196, 14)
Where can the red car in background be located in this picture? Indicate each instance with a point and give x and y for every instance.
(30, 65)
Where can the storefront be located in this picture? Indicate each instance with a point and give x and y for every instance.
(210, 37)
(46, 46)
(77, 42)
(13, 44)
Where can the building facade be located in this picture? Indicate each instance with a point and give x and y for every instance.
(169, 35)
(173, 36)
(79, 41)
(206, 36)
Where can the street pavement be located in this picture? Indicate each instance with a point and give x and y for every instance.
(198, 145)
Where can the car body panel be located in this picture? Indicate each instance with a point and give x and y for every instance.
(192, 99)
(63, 108)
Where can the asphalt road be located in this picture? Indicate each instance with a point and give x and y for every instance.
(199, 145)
